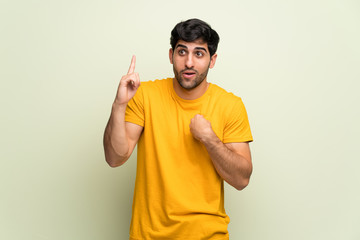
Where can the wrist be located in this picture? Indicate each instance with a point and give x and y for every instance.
(210, 139)
(119, 106)
(118, 110)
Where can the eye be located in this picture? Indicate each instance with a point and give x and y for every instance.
(181, 52)
(199, 54)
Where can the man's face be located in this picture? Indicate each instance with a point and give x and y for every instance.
(191, 62)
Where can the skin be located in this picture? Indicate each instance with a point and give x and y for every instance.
(120, 137)
(191, 62)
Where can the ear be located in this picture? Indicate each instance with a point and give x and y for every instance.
(171, 55)
(213, 60)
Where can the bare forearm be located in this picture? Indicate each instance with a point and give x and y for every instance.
(116, 143)
(234, 168)
(232, 161)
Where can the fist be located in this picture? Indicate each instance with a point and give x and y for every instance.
(201, 128)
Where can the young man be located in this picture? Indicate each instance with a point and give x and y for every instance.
(191, 136)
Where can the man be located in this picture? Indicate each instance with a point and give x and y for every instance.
(191, 136)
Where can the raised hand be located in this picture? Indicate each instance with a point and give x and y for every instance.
(128, 86)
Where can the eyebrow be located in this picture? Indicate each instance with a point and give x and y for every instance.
(198, 48)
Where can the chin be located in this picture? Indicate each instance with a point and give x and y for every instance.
(188, 86)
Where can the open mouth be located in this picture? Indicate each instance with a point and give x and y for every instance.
(188, 74)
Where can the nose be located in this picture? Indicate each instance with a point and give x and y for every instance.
(189, 63)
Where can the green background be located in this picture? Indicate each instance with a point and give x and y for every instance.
(294, 63)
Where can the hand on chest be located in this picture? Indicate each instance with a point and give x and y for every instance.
(174, 122)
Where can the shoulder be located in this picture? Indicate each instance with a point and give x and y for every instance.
(224, 96)
(154, 91)
(230, 105)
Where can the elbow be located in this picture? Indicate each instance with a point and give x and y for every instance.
(242, 184)
(112, 157)
(115, 161)
(114, 164)
(243, 180)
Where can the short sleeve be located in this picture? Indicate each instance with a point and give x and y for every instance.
(237, 127)
(135, 109)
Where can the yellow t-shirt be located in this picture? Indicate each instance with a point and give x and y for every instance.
(178, 193)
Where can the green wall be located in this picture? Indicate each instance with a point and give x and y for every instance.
(294, 63)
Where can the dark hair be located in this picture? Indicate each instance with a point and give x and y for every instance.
(194, 29)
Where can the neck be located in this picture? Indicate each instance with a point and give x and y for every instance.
(192, 93)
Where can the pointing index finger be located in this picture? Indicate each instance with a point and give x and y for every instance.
(132, 65)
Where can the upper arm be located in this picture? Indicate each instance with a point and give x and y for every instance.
(241, 148)
(133, 132)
